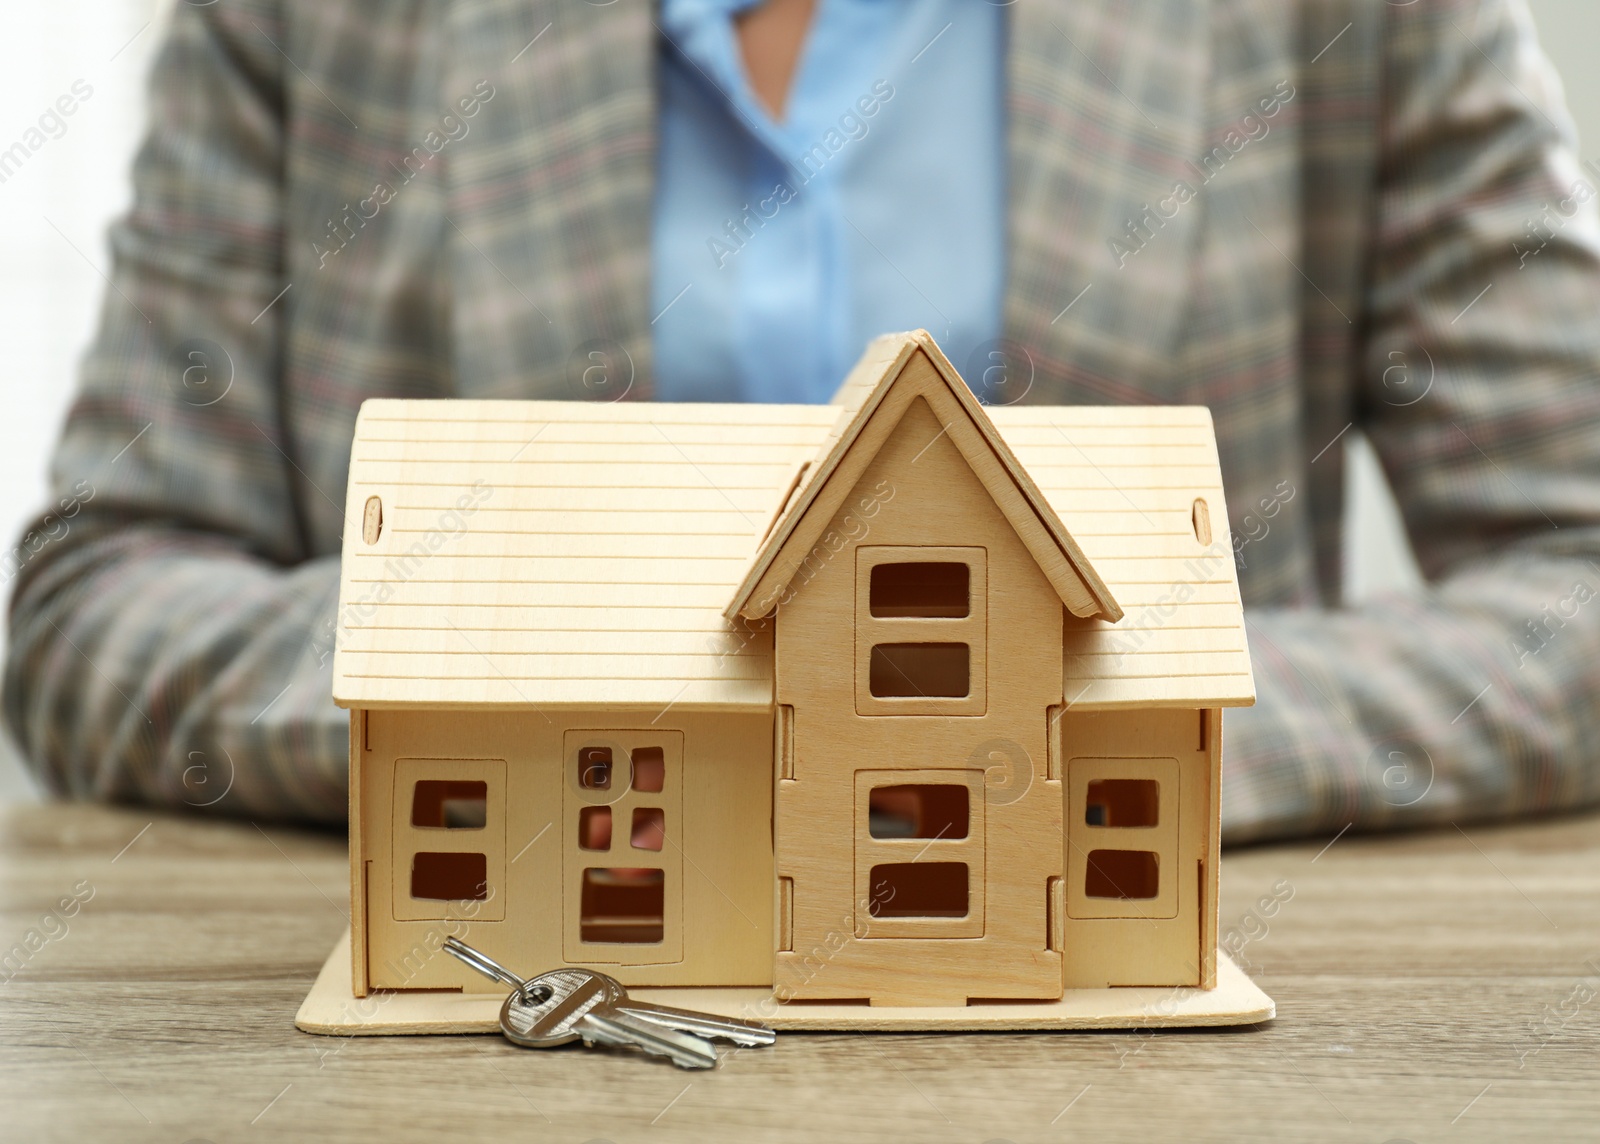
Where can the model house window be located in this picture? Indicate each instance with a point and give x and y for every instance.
(915, 670)
(921, 624)
(927, 589)
(918, 811)
(649, 769)
(1126, 875)
(450, 805)
(448, 834)
(919, 890)
(622, 878)
(1122, 802)
(594, 768)
(1122, 835)
(450, 876)
(594, 828)
(919, 853)
(648, 776)
(649, 828)
(623, 906)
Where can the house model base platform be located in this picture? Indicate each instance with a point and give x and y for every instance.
(332, 1009)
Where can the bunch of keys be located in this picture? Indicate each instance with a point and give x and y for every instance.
(567, 1005)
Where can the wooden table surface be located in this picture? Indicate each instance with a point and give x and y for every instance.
(1431, 987)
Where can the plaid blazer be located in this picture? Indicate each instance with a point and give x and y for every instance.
(1406, 243)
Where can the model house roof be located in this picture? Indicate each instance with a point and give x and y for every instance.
(547, 554)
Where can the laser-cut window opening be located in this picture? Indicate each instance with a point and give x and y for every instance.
(450, 804)
(919, 890)
(649, 769)
(594, 828)
(649, 828)
(450, 877)
(623, 906)
(920, 670)
(936, 810)
(1123, 802)
(933, 590)
(1125, 875)
(594, 768)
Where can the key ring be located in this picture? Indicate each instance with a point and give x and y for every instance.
(492, 969)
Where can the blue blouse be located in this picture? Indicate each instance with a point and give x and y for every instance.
(878, 204)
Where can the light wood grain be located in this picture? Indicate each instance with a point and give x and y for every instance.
(1407, 972)
(716, 853)
(930, 505)
(510, 526)
(1162, 941)
(1127, 492)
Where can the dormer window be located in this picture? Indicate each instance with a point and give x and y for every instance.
(921, 623)
(939, 590)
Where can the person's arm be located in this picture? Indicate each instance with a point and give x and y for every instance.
(1480, 698)
(162, 624)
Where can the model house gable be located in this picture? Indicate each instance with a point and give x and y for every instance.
(900, 373)
(891, 611)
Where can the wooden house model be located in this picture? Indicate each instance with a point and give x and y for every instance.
(902, 700)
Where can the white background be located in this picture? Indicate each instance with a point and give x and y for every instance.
(54, 210)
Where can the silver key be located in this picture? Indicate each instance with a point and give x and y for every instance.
(746, 1033)
(566, 1005)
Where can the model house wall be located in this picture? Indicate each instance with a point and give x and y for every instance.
(1141, 798)
(526, 867)
(990, 862)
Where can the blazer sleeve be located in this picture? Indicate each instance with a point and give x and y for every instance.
(164, 608)
(1480, 392)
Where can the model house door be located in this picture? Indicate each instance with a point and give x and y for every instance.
(622, 861)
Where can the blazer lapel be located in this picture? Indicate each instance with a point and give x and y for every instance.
(1105, 112)
(547, 227)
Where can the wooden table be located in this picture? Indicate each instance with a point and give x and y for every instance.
(1435, 987)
